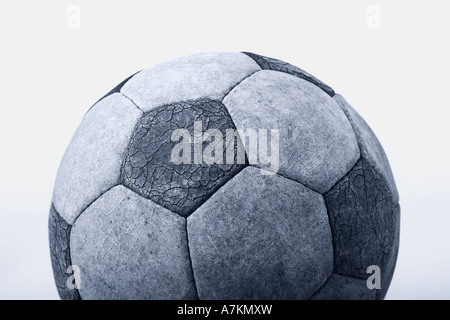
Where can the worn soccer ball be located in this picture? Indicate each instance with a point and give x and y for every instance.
(223, 176)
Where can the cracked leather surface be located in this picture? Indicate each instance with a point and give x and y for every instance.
(260, 237)
(250, 236)
(267, 63)
(389, 267)
(362, 221)
(59, 238)
(149, 171)
(128, 247)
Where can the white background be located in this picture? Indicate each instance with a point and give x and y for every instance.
(395, 76)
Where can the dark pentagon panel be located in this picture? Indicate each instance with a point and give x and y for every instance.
(364, 222)
(180, 187)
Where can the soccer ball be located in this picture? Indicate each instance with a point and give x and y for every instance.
(223, 176)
